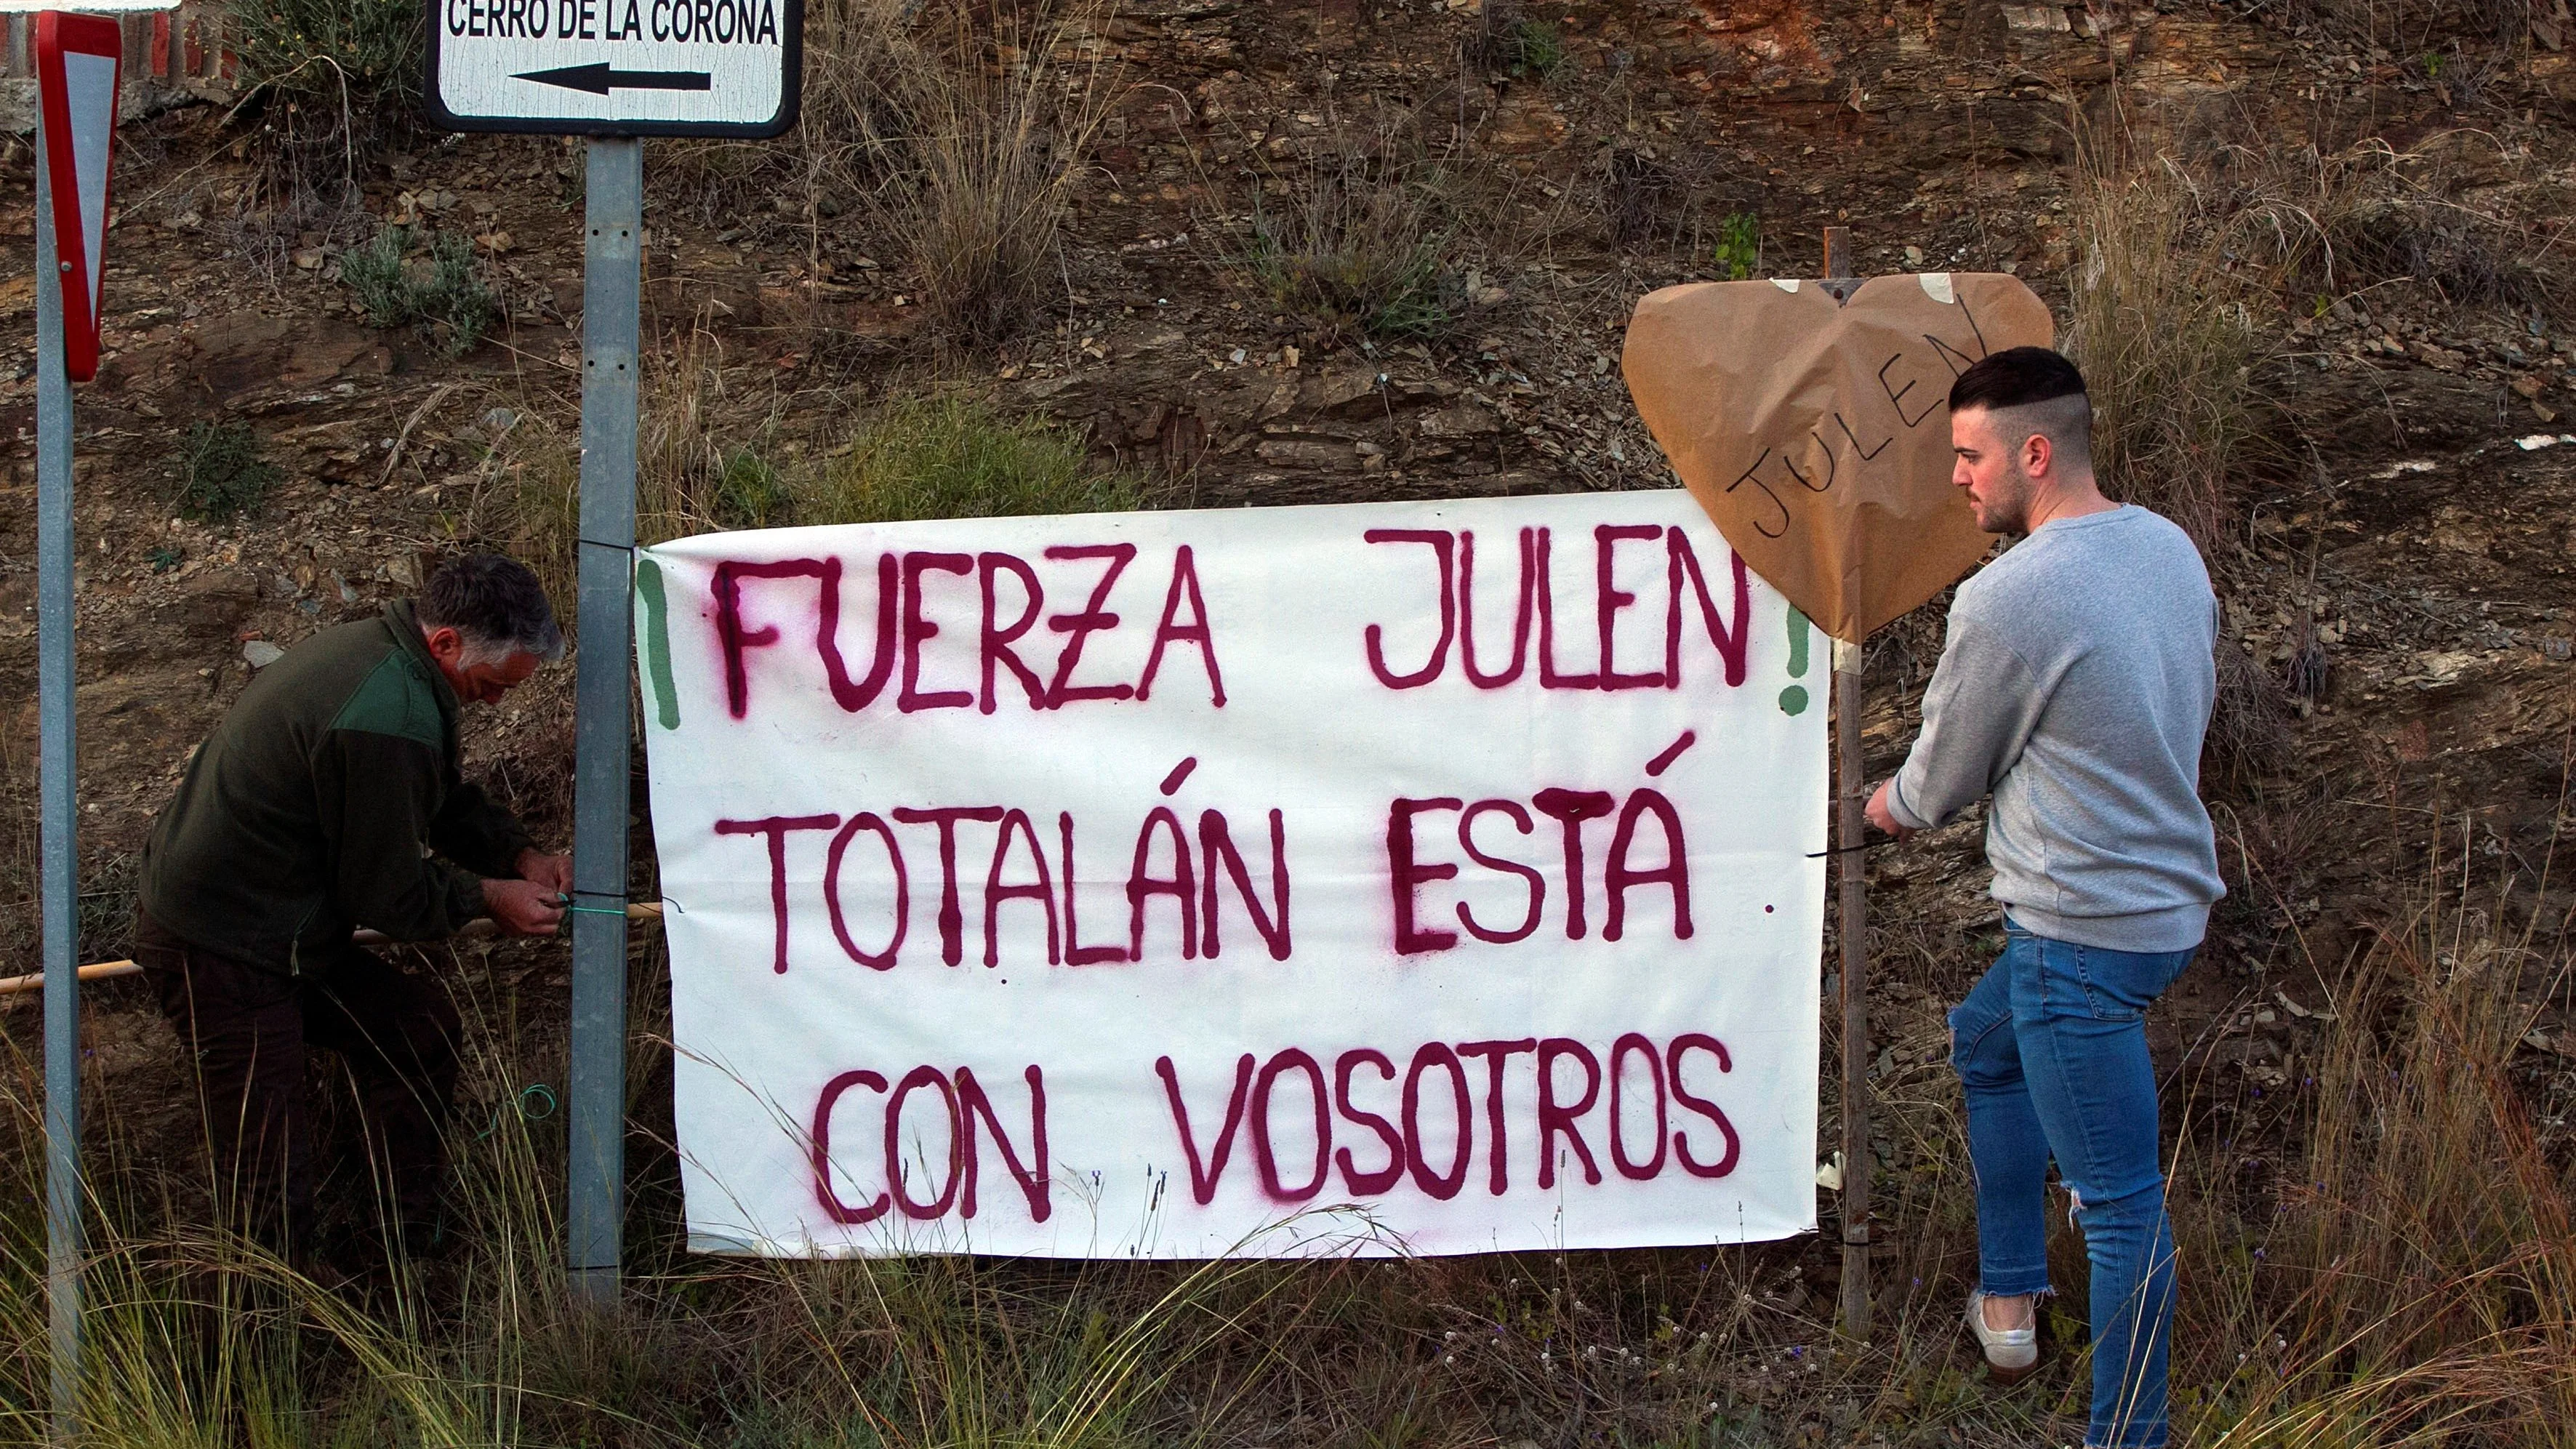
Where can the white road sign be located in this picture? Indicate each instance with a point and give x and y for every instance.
(616, 67)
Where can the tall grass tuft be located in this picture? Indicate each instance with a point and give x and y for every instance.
(1361, 248)
(2417, 1284)
(962, 130)
(2161, 324)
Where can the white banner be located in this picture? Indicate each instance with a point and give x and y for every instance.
(1148, 884)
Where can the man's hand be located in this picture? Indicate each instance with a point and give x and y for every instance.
(554, 872)
(1880, 816)
(523, 908)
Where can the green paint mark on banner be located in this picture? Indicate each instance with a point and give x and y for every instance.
(1793, 700)
(657, 642)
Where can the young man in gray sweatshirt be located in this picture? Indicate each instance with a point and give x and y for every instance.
(2075, 687)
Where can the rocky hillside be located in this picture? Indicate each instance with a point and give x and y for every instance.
(2395, 540)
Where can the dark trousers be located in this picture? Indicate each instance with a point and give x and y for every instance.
(249, 1027)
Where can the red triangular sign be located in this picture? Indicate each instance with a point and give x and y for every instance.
(77, 60)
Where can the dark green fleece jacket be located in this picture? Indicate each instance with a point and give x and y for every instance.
(315, 806)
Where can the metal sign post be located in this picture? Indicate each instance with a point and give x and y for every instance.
(60, 886)
(78, 60)
(612, 278)
(613, 70)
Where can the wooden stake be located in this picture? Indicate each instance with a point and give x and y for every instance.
(1849, 830)
(102, 970)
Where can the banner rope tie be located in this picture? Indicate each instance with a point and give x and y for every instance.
(519, 1100)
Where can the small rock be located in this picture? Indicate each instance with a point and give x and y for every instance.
(261, 654)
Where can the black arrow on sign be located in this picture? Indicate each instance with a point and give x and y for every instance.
(598, 79)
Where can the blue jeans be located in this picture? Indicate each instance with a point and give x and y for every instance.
(2051, 1046)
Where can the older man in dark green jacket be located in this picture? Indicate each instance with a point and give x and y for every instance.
(330, 799)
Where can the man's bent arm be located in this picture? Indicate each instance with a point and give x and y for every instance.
(374, 792)
(474, 830)
(1983, 703)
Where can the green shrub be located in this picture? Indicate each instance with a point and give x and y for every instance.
(442, 294)
(914, 458)
(337, 74)
(222, 474)
(749, 493)
(960, 458)
(329, 53)
(1739, 246)
(1527, 48)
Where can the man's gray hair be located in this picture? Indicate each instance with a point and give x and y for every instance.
(496, 604)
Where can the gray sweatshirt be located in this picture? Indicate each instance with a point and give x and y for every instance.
(2076, 684)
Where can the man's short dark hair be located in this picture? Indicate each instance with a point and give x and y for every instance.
(2031, 390)
(495, 602)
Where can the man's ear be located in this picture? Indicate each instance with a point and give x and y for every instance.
(445, 644)
(2037, 452)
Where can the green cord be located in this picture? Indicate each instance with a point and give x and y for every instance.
(519, 1100)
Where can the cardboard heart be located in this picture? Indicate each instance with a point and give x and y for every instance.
(1817, 433)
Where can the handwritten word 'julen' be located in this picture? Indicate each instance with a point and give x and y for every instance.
(1453, 559)
(1629, 1104)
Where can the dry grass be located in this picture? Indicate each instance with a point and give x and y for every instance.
(2418, 27)
(962, 142)
(2162, 318)
(1361, 247)
(2411, 1282)
(2417, 1281)
(2193, 249)
(950, 133)
(2161, 323)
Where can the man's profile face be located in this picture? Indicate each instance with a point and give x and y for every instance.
(1988, 472)
(484, 680)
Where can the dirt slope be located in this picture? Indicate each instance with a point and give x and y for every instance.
(2407, 551)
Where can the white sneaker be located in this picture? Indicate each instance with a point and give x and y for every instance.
(2011, 1353)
